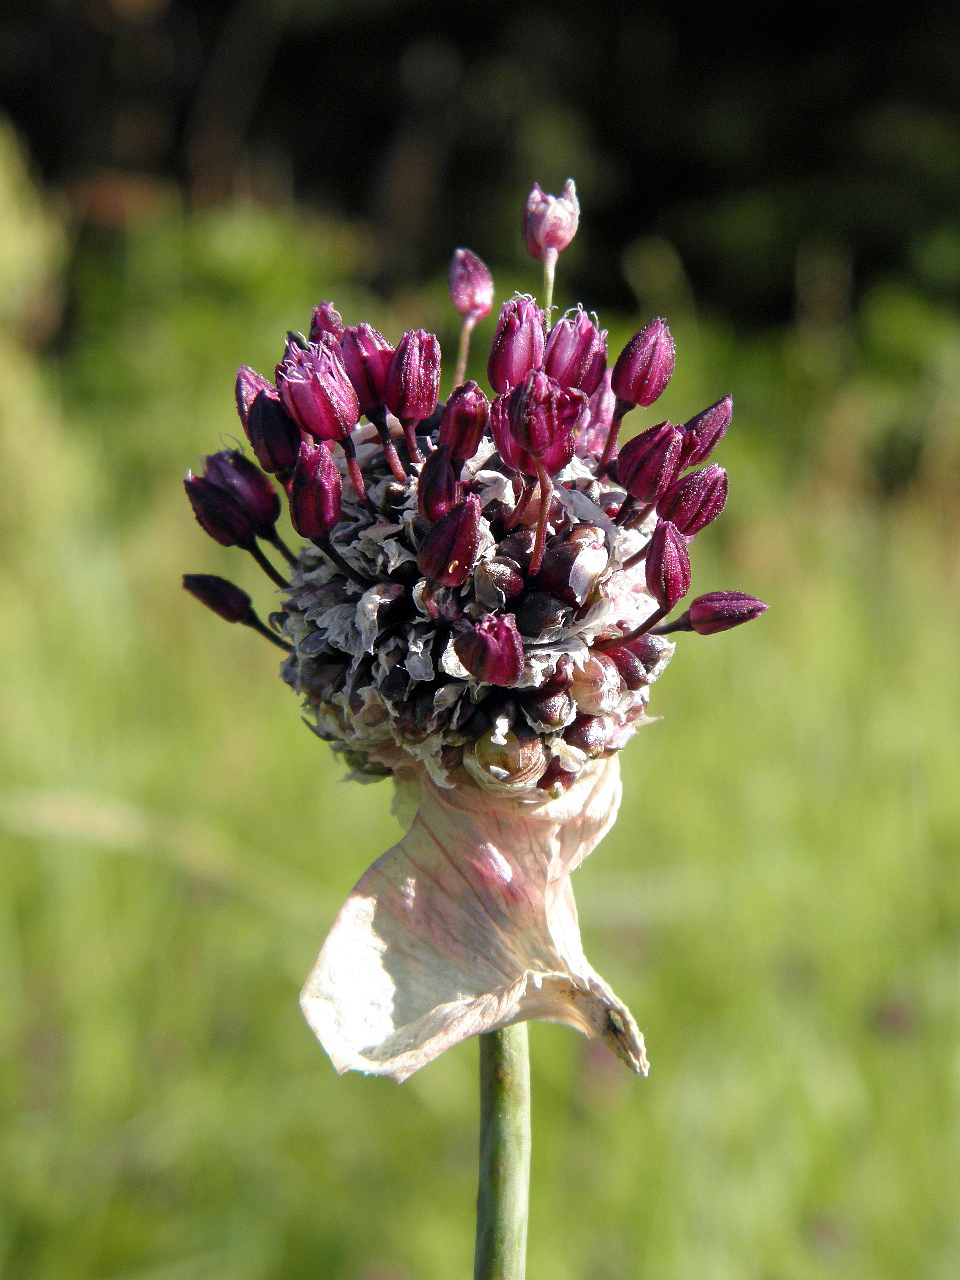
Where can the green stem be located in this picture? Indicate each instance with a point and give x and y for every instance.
(503, 1190)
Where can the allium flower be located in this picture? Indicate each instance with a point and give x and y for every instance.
(483, 623)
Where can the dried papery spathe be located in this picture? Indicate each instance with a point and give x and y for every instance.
(466, 925)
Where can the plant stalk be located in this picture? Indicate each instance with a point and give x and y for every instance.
(503, 1190)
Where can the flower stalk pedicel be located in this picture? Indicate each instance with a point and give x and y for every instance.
(479, 615)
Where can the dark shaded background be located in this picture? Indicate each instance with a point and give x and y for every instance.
(741, 133)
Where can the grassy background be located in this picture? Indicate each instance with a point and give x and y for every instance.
(779, 902)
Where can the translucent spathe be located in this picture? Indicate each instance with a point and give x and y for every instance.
(466, 925)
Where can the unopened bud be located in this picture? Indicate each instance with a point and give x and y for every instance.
(449, 550)
(550, 222)
(695, 500)
(326, 319)
(543, 418)
(492, 650)
(471, 285)
(274, 436)
(668, 565)
(645, 365)
(366, 358)
(647, 464)
(219, 514)
(703, 433)
(413, 377)
(438, 489)
(245, 482)
(464, 421)
(576, 352)
(316, 391)
(719, 611)
(315, 492)
(597, 421)
(518, 343)
(225, 599)
(249, 385)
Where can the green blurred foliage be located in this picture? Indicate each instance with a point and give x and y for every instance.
(778, 903)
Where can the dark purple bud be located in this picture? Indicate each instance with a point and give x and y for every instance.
(542, 414)
(219, 514)
(245, 482)
(704, 432)
(412, 385)
(464, 420)
(576, 352)
(518, 343)
(721, 610)
(315, 492)
(492, 650)
(226, 600)
(366, 356)
(647, 464)
(449, 550)
(249, 385)
(326, 319)
(316, 391)
(553, 460)
(471, 285)
(273, 434)
(550, 222)
(668, 565)
(597, 421)
(644, 366)
(438, 486)
(695, 500)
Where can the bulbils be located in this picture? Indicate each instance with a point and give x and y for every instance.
(315, 493)
(471, 285)
(644, 366)
(548, 222)
(518, 344)
(492, 650)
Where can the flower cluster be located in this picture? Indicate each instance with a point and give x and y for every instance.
(484, 590)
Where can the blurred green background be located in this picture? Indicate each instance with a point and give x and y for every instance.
(779, 903)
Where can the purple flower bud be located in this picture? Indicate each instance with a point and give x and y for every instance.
(315, 492)
(541, 414)
(412, 385)
(550, 222)
(249, 385)
(647, 464)
(518, 343)
(273, 434)
(668, 565)
(644, 366)
(464, 420)
(492, 650)
(704, 432)
(471, 285)
(219, 514)
(597, 421)
(695, 500)
(449, 550)
(226, 600)
(554, 459)
(316, 391)
(438, 488)
(326, 319)
(721, 610)
(366, 357)
(245, 482)
(576, 352)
